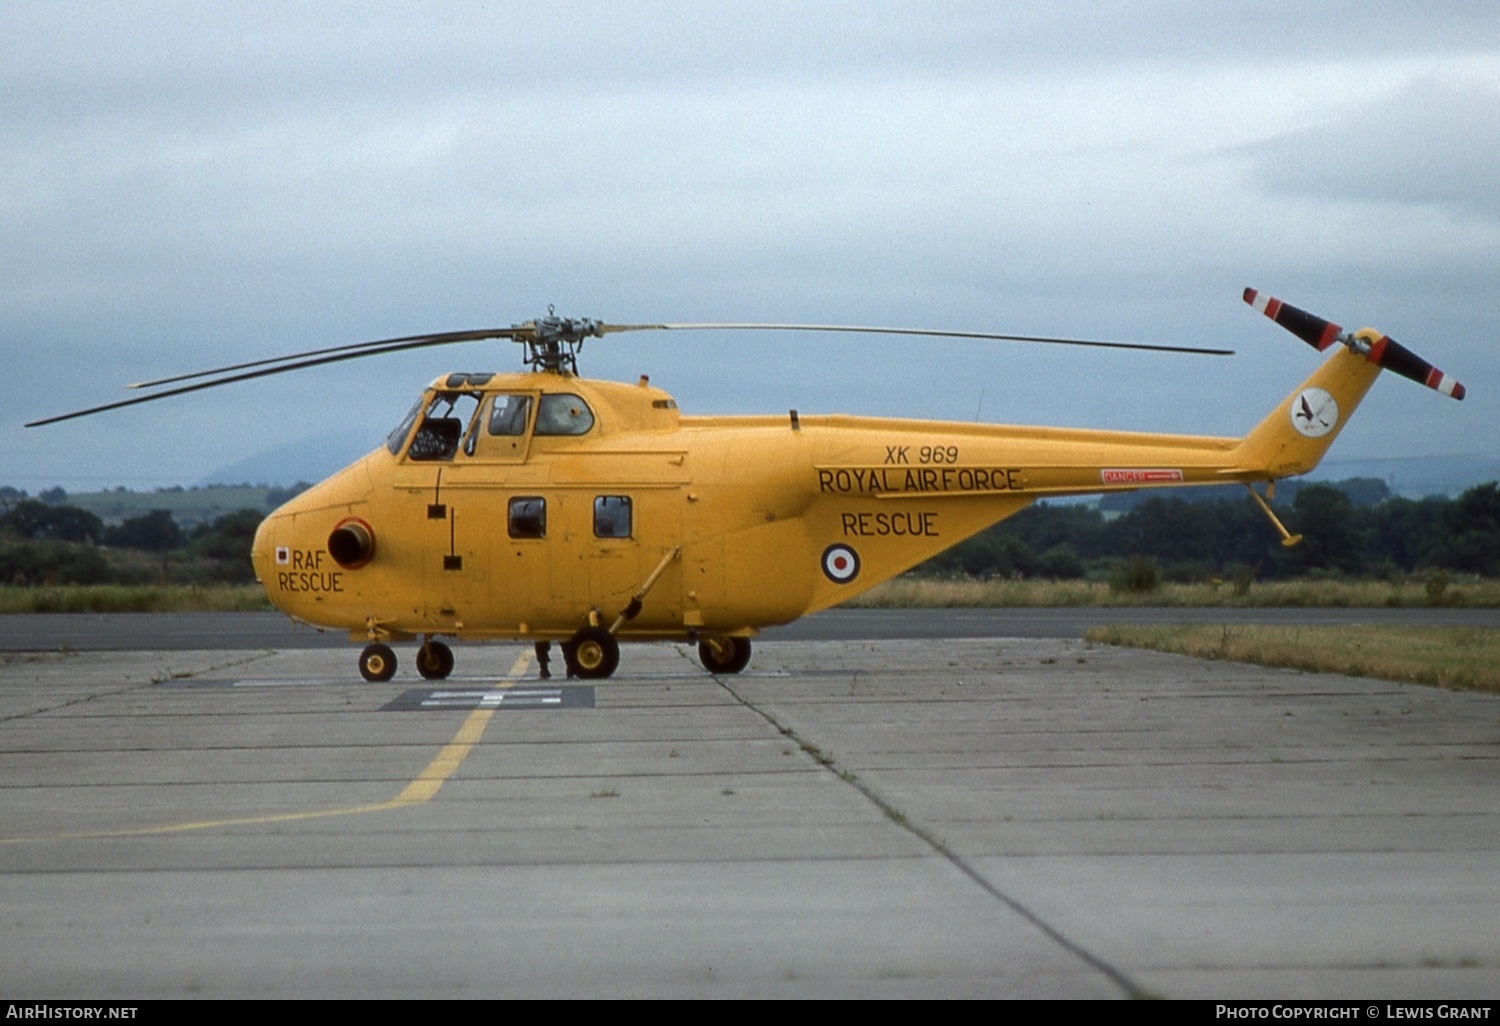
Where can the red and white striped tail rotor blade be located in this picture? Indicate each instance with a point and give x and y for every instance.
(1315, 331)
(1380, 350)
(1391, 355)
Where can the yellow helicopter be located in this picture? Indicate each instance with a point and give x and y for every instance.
(547, 507)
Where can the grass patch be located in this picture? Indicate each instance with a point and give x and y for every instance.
(1456, 658)
(135, 598)
(901, 593)
(925, 593)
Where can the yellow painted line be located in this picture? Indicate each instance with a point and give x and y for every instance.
(420, 790)
(447, 761)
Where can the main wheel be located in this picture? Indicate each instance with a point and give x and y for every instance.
(435, 660)
(724, 655)
(377, 663)
(593, 652)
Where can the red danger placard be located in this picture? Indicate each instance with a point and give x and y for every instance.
(1140, 475)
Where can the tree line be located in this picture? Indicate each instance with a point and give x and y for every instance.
(1353, 529)
(41, 543)
(1227, 535)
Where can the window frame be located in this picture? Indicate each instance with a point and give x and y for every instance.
(626, 504)
(541, 426)
(513, 507)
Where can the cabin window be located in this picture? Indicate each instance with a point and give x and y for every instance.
(443, 425)
(508, 415)
(563, 414)
(528, 517)
(612, 516)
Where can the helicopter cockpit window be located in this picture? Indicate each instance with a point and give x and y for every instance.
(612, 516)
(397, 437)
(563, 414)
(509, 413)
(528, 517)
(443, 426)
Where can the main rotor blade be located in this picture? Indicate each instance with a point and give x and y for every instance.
(1379, 349)
(394, 345)
(549, 330)
(929, 332)
(355, 349)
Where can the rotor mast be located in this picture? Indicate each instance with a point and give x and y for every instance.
(552, 342)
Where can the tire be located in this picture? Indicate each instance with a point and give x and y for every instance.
(593, 653)
(377, 663)
(724, 655)
(435, 660)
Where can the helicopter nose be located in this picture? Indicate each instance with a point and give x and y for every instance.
(305, 571)
(265, 553)
(310, 553)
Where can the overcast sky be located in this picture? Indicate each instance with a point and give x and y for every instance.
(188, 185)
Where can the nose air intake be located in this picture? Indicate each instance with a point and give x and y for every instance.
(352, 543)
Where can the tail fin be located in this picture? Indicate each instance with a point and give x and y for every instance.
(1298, 432)
(1295, 435)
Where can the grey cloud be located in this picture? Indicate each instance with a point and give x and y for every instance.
(185, 185)
(1431, 142)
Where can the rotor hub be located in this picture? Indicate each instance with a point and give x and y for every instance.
(553, 343)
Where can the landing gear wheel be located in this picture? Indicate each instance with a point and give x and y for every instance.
(435, 660)
(724, 655)
(377, 663)
(592, 653)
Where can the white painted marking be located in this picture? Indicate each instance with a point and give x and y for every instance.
(492, 699)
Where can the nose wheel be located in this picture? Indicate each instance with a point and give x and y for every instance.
(377, 663)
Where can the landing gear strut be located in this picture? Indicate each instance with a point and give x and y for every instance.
(434, 660)
(724, 655)
(592, 653)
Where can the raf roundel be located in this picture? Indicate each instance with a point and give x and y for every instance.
(840, 564)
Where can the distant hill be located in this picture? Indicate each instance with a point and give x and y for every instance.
(311, 459)
(188, 506)
(1416, 477)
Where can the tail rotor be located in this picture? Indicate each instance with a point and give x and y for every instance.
(1379, 349)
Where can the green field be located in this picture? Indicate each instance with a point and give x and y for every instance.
(133, 598)
(903, 593)
(1460, 659)
(1438, 590)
